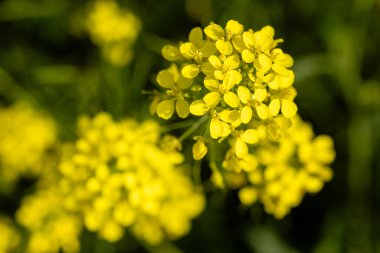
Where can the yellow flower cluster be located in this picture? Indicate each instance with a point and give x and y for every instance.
(9, 236)
(243, 85)
(114, 29)
(279, 173)
(25, 137)
(51, 228)
(234, 76)
(123, 175)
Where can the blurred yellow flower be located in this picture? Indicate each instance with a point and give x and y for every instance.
(51, 228)
(25, 137)
(9, 236)
(114, 29)
(283, 171)
(123, 175)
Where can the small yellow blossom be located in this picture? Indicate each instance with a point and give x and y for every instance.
(296, 164)
(235, 77)
(113, 29)
(124, 175)
(9, 236)
(51, 228)
(32, 134)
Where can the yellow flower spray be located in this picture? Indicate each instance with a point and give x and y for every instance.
(114, 29)
(26, 135)
(241, 84)
(123, 175)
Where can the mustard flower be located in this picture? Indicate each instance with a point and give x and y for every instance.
(26, 135)
(281, 172)
(114, 29)
(124, 175)
(9, 236)
(237, 78)
(51, 228)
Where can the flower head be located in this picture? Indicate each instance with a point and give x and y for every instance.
(25, 137)
(280, 173)
(114, 29)
(123, 175)
(234, 77)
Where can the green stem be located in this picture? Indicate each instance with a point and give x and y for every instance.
(193, 128)
(178, 125)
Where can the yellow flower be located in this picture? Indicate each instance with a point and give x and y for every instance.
(9, 236)
(26, 135)
(51, 228)
(124, 175)
(199, 148)
(114, 29)
(176, 83)
(294, 165)
(235, 72)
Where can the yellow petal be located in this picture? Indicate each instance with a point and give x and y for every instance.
(247, 56)
(218, 74)
(244, 94)
(249, 39)
(190, 71)
(274, 106)
(216, 128)
(212, 99)
(196, 36)
(232, 62)
(224, 47)
(288, 108)
(246, 114)
(288, 61)
(248, 195)
(241, 149)
(262, 111)
(215, 62)
(275, 83)
(153, 105)
(183, 82)
(199, 149)
(280, 70)
(198, 108)
(260, 94)
(182, 108)
(211, 84)
(313, 184)
(171, 53)
(226, 129)
(214, 31)
(263, 63)
(208, 48)
(234, 28)
(165, 79)
(238, 44)
(250, 136)
(229, 116)
(232, 78)
(324, 149)
(165, 109)
(231, 99)
(188, 50)
(207, 69)
(287, 81)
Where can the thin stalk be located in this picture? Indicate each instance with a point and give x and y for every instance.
(193, 128)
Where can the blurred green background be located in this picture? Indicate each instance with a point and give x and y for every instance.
(47, 58)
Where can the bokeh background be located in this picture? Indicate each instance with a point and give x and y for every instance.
(49, 59)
